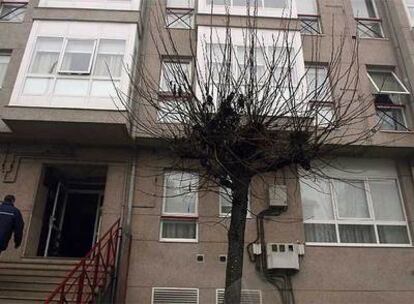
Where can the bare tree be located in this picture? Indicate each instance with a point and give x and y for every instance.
(248, 106)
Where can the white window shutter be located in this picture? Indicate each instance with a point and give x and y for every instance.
(175, 296)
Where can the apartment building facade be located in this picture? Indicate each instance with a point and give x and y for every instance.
(74, 159)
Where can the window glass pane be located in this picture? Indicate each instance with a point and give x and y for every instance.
(317, 79)
(386, 82)
(323, 233)
(351, 199)
(324, 114)
(369, 29)
(71, 87)
(316, 200)
(386, 200)
(391, 119)
(36, 86)
(363, 9)
(218, 2)
(174, 76)
(225, 202)
(275, 3)
(179, 3)
(12, 12)
(393, 235)
(307, 7)
(4, 62)
(78, 55)
(310, 26)
(357, 234)
(181, 193)
(171, 111)
(46, 55)
(178, 229)
(109, 59)
(180, 20)
(104, 88)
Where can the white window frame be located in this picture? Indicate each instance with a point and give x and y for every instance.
(375, 19)
(74, 30)
(178, 217)
(405, 91)
(179, 16)
(91, 60)
(221, 290)
(134, 5)
(362, 221)
(7, 62)
(290, 12)
(400, 108)
(174, 288)
(180, 61)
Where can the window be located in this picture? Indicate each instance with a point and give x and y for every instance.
(179, 211)
(93, 4)
(175, 75)
(74, 76)
(354, 211)
(309, 17)
(366, 16)
(4, 62)
(162, 295)
(410, 8)
(320, 94)
(270, 8)
(390, 96)
(225, 203)
(247, 296)
(12, 11)
(180, 14)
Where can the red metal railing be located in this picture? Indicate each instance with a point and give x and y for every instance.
(92, 274)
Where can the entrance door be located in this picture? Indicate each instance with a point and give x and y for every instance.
(79, 223)
(53, 240)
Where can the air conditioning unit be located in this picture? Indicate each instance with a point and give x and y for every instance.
(284, 255)
(278, 197)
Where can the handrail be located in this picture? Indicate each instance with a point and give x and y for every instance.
(91, 274)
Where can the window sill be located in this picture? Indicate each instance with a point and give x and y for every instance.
(375, 39)
(397, 131)
(179, 241)
(356, 245)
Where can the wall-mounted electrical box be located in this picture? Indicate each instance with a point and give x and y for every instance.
(284, 255)
(278, 196)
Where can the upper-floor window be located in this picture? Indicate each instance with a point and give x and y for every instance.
(367, 18)
(179, 209)
(93, 4)
(225, 203)
(286, 62)
(13, 10)
(410, 8)
(319, 92)
(354, 210)
(64, 66)
(4, 62)
(309, 17)
(271, 8)
(75, 64)
(180, 14)
(390, 94)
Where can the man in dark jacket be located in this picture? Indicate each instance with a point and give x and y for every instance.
(11, 221)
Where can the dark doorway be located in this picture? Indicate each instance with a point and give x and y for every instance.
(71, 217)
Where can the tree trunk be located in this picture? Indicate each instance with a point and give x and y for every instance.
(235, 250)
